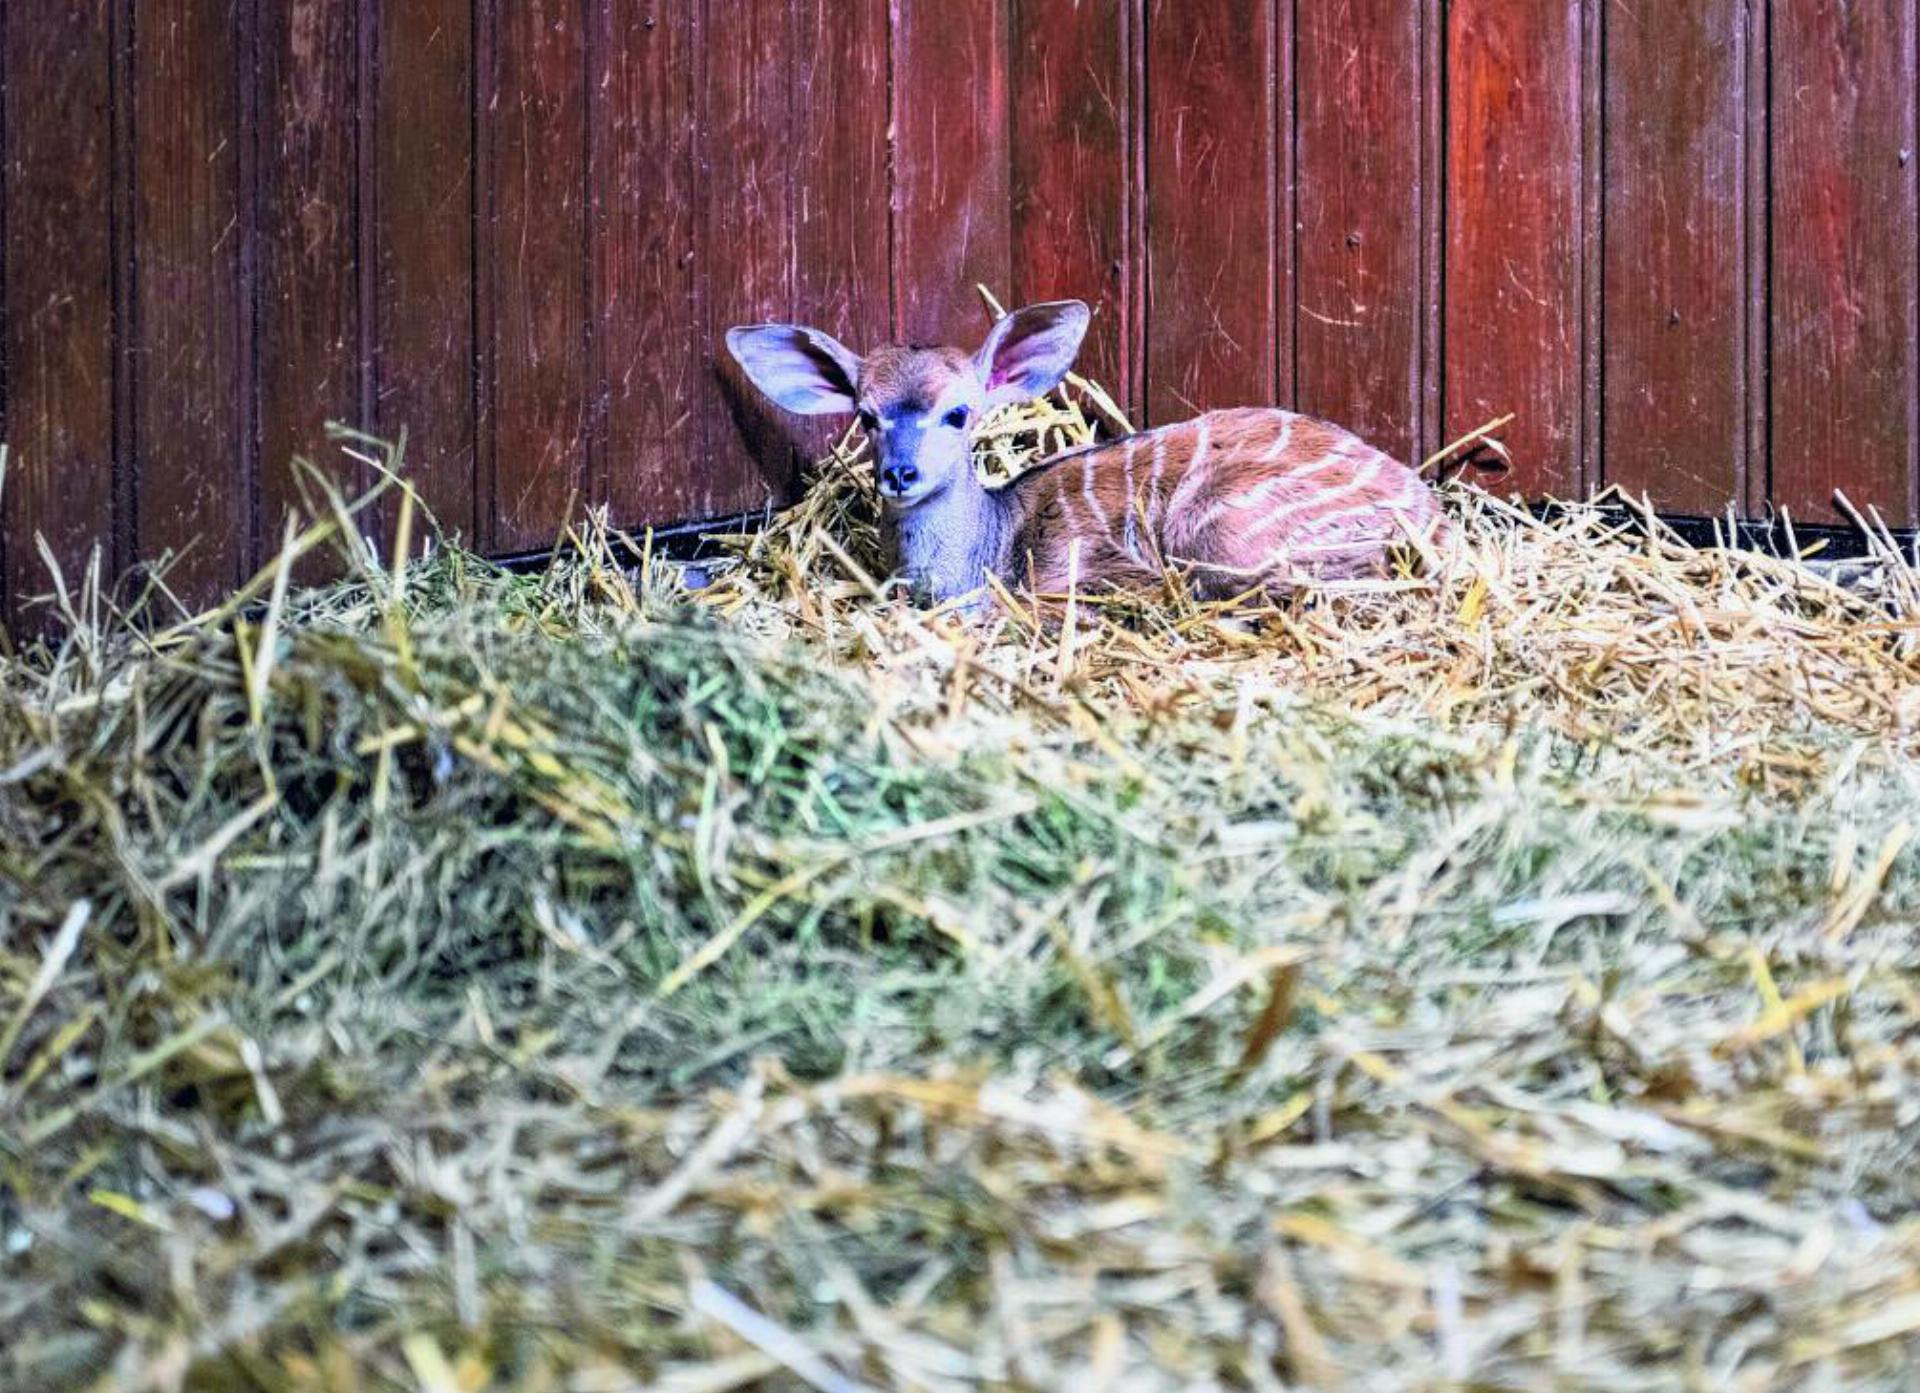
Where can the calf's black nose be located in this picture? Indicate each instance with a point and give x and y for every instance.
(898, 478)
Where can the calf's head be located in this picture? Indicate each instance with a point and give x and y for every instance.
(919, 406)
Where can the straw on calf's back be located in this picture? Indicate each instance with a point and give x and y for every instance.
(1239, 500)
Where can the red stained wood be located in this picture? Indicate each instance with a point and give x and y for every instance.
(1757, 458)
(423, 234)
(1072, 184)
(536, 247)
(841, 274)
(1212, 331)
(747, 246)
(1433, 221)
(644, 294)
(1514, 296)
(59, 278)
(194, 494)
(1679, 246)
(1843, 342)
(309, 308)
(952, 231)
(1357, 329)
(1675, 282)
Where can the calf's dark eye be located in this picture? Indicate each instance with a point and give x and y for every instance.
(869, 421)
(957, 418)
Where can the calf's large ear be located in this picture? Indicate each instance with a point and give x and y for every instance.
(1030, 350)
(804, 370)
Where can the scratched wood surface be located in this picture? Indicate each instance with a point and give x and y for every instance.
(1071, 173)
(840, 194)
(1678, 241)
(190, 225)
(952, 222)
(746, 247)
(59, 276)
(1675, 279)
(1514, 307)
(1212, 138)
(643, 261)
(1844, 382)
(1358, 173)
(309, 306)
(535, 240)
(421, 181)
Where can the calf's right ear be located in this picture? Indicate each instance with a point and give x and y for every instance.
(804, 370)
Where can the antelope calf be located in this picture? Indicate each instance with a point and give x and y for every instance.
(1237, 500)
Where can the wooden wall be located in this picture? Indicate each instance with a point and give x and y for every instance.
(1678, 239)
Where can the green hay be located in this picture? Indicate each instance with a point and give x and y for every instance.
(457, 981)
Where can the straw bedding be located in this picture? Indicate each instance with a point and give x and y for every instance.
(1500, 975)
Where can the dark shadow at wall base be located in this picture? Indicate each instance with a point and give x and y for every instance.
(694, 541)
(1771, 536)
(763, 436)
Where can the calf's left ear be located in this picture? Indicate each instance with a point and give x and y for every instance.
(1030, 350)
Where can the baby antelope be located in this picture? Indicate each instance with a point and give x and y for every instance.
(1236, 500)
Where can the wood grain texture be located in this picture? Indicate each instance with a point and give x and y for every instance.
(1514, 293)
(1433, 223)
(644, 295)
(1759, 269)
(422, 337)
(1678, 239)
(1843, 340)
(746, 246)
(537, 273)
(1072, 172)
(59, 278)
(1212, 290)
(308, 317)
(195, 496)
(1675, 281)
(840, 189)
(1358, 171)
(952, 230)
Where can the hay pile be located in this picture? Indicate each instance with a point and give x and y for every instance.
(451, 980)
(1596, 623)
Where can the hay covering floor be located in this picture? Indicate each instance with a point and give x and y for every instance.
(1498, 978)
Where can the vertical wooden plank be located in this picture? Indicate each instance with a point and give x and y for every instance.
(6, 559)
(1844, 370)
(951, 163)
(423, 234)
(840, 168)
(1212, 250)
(840, 192)
(537, 271)
(309, 312)
(59, 278)
(1514, 295)
(1433, 224)
(1592, 82)
(1358, 162)
(747, 243)
(644, 224)
(1285, 180)
(194, 494)
(1674, 238)
(1072, 184)
(6, 592)
(1757, 319)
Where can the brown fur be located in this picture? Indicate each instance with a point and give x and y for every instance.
(1241, 500)
(910, 378)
